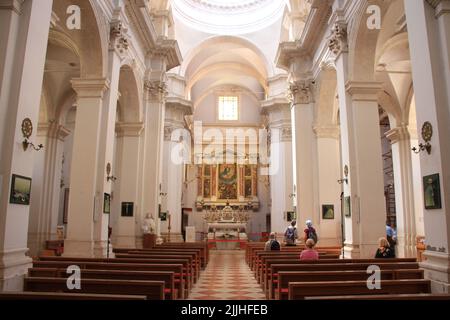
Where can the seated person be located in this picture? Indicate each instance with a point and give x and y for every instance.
(309, 253)
(384, 249)
(272, 244)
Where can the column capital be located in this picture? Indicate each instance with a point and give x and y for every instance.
(338, 42)
(90, 88)
(129, 129)
(363, 91)
(155, 90)
(285, 129)
(398, 134)
(324, 132)
(301, 91)
(14, 5)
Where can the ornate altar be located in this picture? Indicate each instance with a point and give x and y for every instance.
(236, 183)
(227, 225)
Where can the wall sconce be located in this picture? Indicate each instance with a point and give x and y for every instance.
(427, 134)
(27, 131)
(109, 177)
(341, 181)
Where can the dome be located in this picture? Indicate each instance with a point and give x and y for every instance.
(229, 17)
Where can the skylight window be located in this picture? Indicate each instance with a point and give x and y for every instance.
(228, 108)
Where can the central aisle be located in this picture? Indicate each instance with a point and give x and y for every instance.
(227, 277)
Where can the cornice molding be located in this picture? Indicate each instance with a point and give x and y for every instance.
(14, 5)
(129, 129)
(90, 88)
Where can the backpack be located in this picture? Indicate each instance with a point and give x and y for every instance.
(275, 245)
(290, 234)
(312, 235)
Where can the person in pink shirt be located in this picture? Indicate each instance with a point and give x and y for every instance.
(309, 253)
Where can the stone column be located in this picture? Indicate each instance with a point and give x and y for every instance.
(24, 29)
(155, 92)
(404, 191)
(125, 230)
(360, 153)
(281, 179)
(329, 191)
(84, 200)
(173, 170)
(118, 46)
(46, 187)
(304, 152)
(429, 40)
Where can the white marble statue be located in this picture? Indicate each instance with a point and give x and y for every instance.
(149, 225)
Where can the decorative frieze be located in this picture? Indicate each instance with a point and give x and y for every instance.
(337, 42)
(119, 39)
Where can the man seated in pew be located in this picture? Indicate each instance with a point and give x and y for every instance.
(309, 253)
(272, 244)
(384, 249)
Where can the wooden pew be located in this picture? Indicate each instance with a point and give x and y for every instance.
(167, 276)
(187, 264)
(168, 250)
(179, 280)
(266, 275)
(195, 268)
(195, 252)
(300, 290)
(153, 290)
(414, 296)
(151, 255)
(308, 267)
(203, 246)
(285, 277)
(253, 249)
(66, 296)
(261, 269)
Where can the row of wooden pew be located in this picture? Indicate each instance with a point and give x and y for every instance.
(283, 276)
(164, 272)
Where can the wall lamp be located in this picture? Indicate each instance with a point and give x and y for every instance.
(27, 131)
(109, 177)
(341, 181)
(427, 134)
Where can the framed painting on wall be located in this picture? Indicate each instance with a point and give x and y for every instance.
(20, 190)
(432, 192)
(127, 209)
(328, 211)
(347, 207)
(107, 203)
(66, 205)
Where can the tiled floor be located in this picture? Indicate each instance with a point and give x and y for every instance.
(227, 277)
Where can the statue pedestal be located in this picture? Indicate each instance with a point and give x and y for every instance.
(149, 241)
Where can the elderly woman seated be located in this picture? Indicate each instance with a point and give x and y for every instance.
(309, 253)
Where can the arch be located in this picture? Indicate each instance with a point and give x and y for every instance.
(90, 42)
(212, 89)
(325, 97)
(130, 105)
(226, 66)
(269, 68)
(362, 44)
